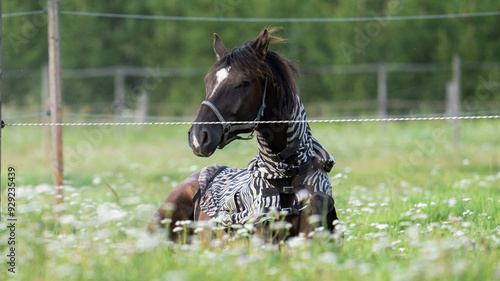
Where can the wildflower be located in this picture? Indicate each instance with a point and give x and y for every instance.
(382, 226)
(405, 223)
(242, 232)
(67, 219)
(328, 258)
(281, 225)
(96, 180)
(216, 243)
(451, 202)
(107, 213)
(236, 226)
(147, 242)
(314, 219)
(466, 224)
(273, 213)
(434, 224)
(381, 245)
(407, 214)
(337, 176)
(367, 210)
(133, 200)
(166, 221)
(184, 222)
(249, 227)
(319, 229)
(356, 203)
(468, 212)
(177, 229)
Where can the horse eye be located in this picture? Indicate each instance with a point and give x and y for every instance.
(244, 84)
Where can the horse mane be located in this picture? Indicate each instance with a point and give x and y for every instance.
(279, 71)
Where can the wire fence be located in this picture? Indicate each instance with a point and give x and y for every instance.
(288, 20)
(391, 119)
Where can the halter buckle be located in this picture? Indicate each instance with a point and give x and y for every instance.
(288, 210)
(288, 189)
(226, 128)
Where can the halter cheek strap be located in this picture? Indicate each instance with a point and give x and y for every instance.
(228, 128)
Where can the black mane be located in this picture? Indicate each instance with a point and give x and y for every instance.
(279, 71)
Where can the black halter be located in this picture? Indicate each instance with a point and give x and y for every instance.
(228, 128)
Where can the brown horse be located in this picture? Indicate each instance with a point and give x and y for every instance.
(254, 86)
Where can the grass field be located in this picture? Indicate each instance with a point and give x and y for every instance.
(412, 207)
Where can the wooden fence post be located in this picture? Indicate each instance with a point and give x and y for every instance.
(453, 99)
(142, 107)
(56, 103)
(119, 102)
(382, 93)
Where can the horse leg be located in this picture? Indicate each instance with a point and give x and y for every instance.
(323, 208)
(178, 206)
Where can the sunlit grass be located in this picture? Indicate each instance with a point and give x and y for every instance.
(412, 206)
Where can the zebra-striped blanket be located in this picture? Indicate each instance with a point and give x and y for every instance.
(236, 195)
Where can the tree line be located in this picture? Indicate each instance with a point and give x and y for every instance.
(90, 42)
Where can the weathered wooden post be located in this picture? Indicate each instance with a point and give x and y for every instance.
(142, 107)
(382, 93)
(453, 99)
(56, 103)
(119, 102)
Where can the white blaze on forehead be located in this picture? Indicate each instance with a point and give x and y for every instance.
(221, 75)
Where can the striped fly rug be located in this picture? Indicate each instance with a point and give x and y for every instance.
(236, 196)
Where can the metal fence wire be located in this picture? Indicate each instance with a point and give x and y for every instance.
(224, 19)
(390, 119)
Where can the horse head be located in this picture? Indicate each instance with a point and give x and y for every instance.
(238, 87)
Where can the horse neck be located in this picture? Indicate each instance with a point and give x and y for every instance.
(275, 137)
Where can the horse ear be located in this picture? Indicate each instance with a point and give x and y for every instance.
(261, 44)
(219, 48)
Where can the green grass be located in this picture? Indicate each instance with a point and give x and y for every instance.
(412, 205)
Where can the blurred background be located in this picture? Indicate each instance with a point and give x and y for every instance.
(147, 68)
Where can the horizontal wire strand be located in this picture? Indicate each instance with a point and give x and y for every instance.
(222, 19)
(344, 19)
(393, 119)
(27, 13)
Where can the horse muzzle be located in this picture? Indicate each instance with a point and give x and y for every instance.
(204, 139)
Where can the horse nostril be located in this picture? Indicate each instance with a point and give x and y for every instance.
(199, 138)
(205, 138)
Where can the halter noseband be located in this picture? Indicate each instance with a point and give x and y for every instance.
(228, 128)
